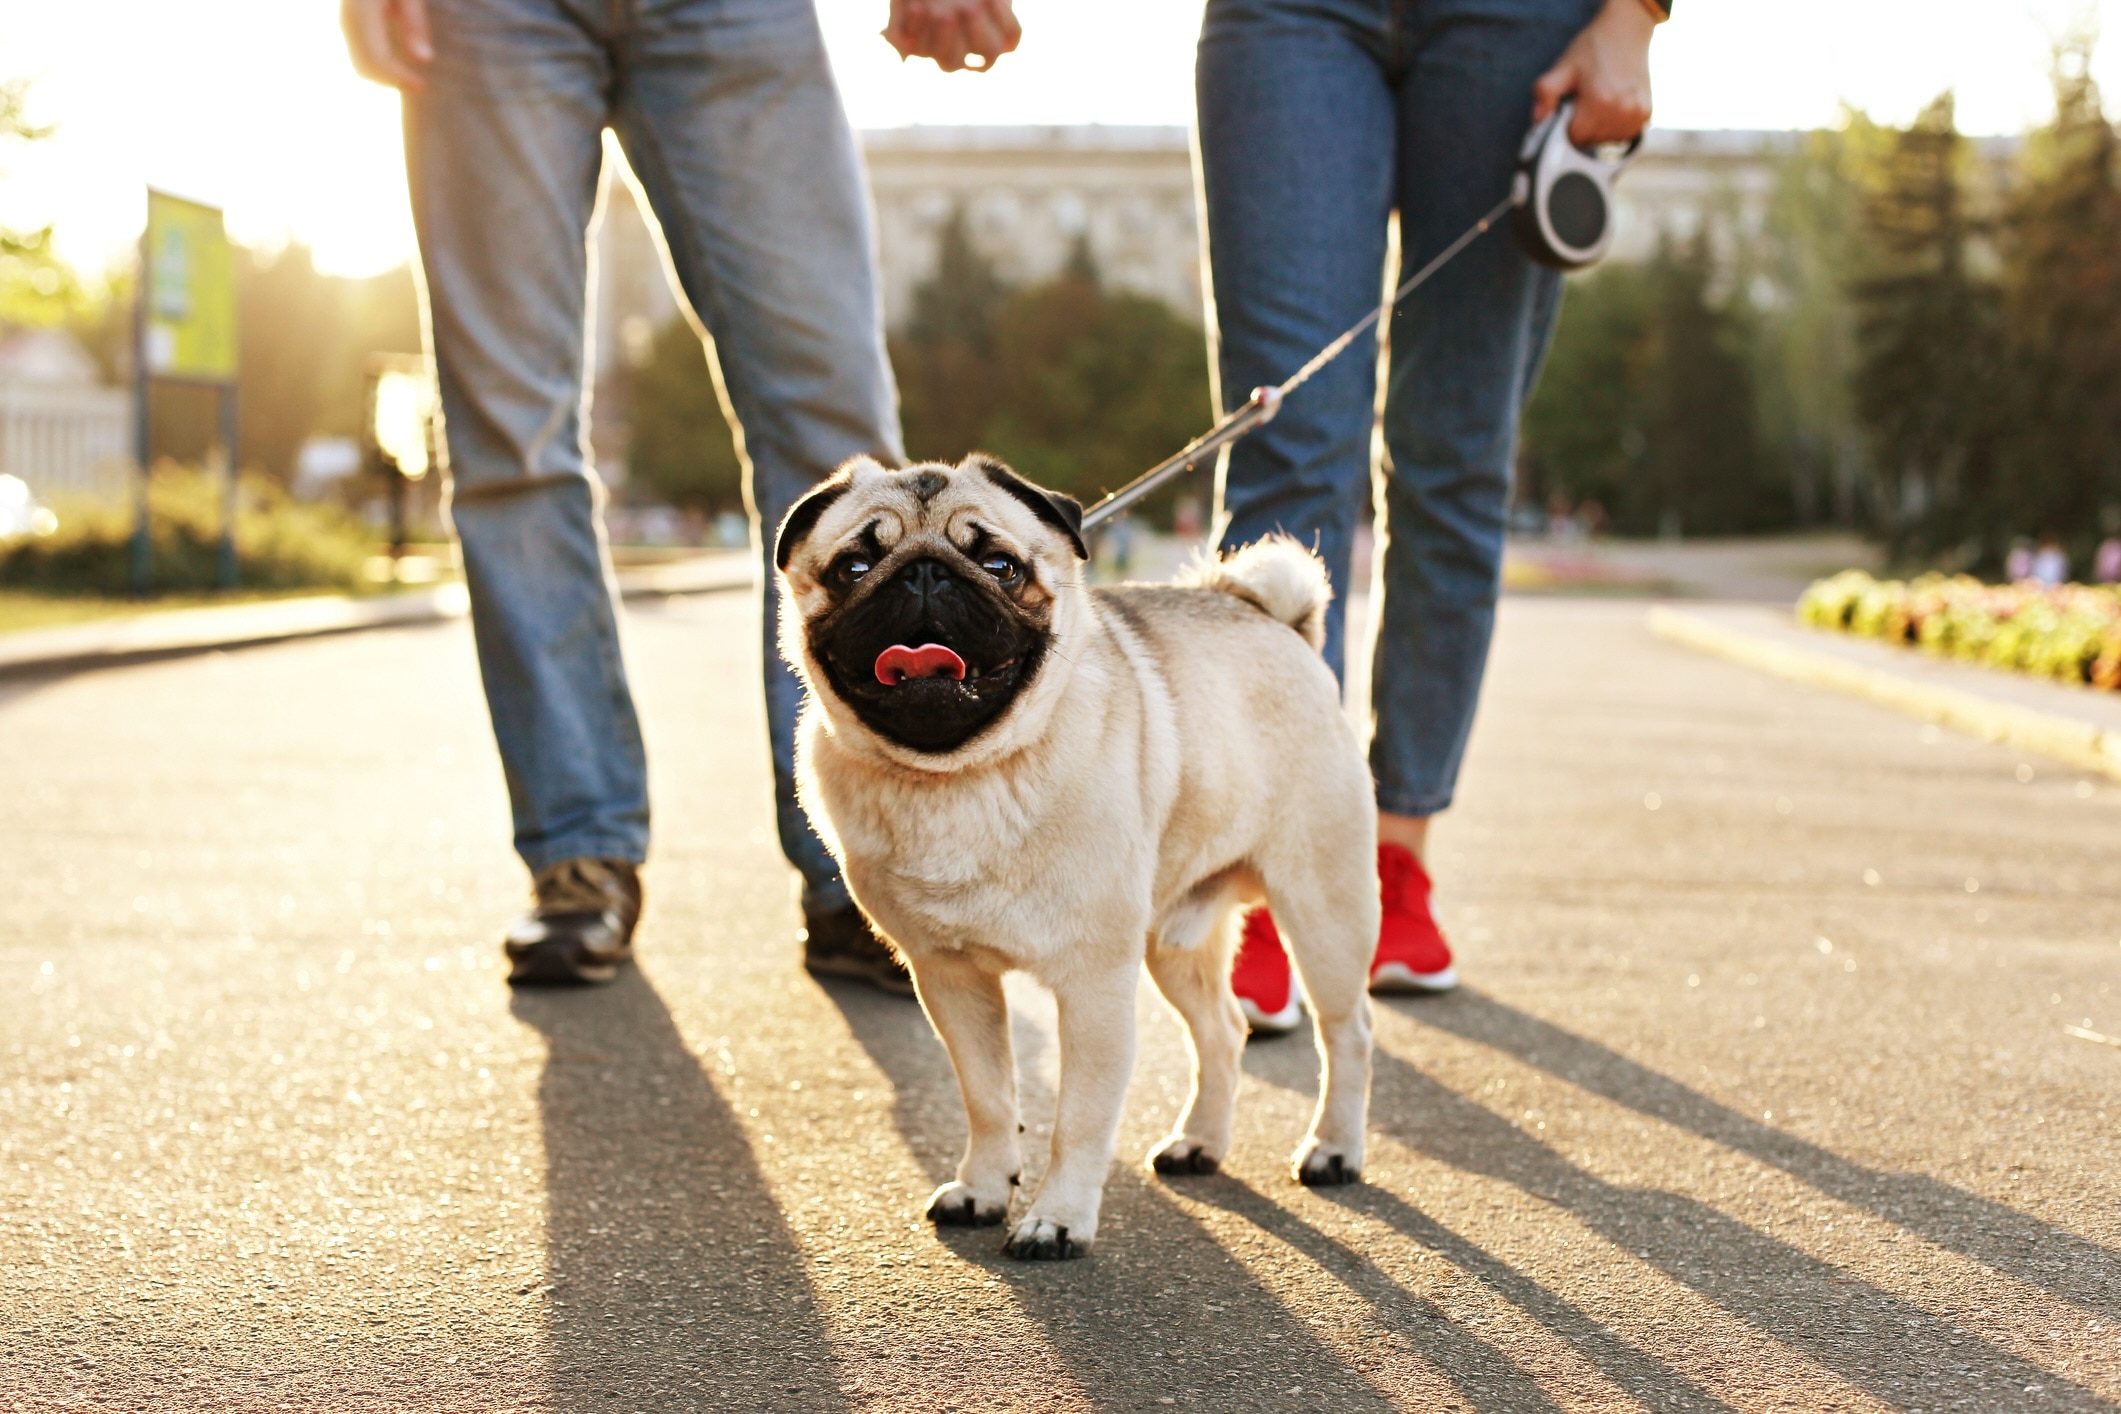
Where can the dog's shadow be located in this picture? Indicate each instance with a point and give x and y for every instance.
(675, 1282)
(1870, 1337)
(1194, 1323)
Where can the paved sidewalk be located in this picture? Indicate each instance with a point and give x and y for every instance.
(2077, 725)
(168, 633)
(1765, 1090)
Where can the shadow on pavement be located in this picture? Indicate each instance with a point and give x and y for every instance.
(1483, 1375)
(1991, 1233)
(676, 1285)
(1161, 1310)
(925, 1108)
(15, 687)
(1869, 1337)
(1458, 1353)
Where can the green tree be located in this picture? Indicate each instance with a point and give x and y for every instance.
(1804, 346)
(946, 359)
(1647, 401)
(1584, 430)
(2062, 314)
(36, 287)
(1094, 386)
(1929, 385)
(1077, 386)
(1701, 451)
(681, 448)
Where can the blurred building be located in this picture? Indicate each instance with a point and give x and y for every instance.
(1029, 194)
(61, 430)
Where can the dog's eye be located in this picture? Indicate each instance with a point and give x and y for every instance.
(849, 568)
(1003, 568)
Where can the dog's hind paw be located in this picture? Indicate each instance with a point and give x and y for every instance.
(1037, 1240)
(1321, 1167)
(956, 1205)
(1181, 1155)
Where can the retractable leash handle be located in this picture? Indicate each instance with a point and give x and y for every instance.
(1564, 195)
(1561, 200)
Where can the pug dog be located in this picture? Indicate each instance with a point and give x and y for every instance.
(1019, 773)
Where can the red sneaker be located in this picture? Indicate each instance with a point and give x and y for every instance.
(1266, 988)
(1411, 953)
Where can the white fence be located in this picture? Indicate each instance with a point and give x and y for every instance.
(67, 443)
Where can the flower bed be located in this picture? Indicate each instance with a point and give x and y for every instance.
(2071, 632)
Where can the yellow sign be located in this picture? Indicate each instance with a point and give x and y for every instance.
(189, 283)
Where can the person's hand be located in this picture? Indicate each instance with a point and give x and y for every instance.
(956, 34)
(389, 41)
(1607, 68)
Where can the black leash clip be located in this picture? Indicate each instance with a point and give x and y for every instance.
(1563, 195)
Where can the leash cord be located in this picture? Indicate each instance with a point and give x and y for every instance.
(1265, 402)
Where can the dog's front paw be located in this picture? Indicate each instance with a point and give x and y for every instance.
(1320, 1165)
(1180, 1155)
(958, 1205)
(1037, 1240)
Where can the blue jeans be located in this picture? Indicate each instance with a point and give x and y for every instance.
(1318, 119)
(730, 119)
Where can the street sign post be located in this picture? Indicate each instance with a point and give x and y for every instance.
(184, 331)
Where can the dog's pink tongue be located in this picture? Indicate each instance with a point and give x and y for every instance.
(931, 660)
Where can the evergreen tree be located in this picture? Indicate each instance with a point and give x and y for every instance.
(1701, 451)
(1095, 385)
(1583, 432)
(1928, 384)
(681, 447)
(945, 361)
(1647, 403)
(2062, 302)
(1077, 386)
(1794, 271)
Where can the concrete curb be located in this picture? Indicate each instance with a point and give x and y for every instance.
(178, 632)
(2085, 744)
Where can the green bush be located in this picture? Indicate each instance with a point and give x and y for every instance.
(2071, 632)
(279, 544)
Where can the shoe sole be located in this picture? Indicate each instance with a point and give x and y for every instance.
(554, 967)
(1394, 977)
(1276, 1023)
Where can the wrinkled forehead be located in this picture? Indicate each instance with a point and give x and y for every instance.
(923, 501)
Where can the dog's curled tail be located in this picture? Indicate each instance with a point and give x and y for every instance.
(1277, 576)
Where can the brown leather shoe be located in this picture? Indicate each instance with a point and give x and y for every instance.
(580, 925)
(838, 942)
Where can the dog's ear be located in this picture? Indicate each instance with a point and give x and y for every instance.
(802, 517)
(1063, 512)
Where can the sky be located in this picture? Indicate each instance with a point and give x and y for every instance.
(250, 104)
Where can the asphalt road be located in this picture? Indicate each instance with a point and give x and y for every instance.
(1719, 1121)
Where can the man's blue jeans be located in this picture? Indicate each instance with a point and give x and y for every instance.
(1318, 119)
(730, 119)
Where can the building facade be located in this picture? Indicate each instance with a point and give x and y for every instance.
(1028, 195)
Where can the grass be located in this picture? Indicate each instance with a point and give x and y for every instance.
(23, 609)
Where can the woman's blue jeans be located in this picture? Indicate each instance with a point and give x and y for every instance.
(730, 119)
(1318, 119)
